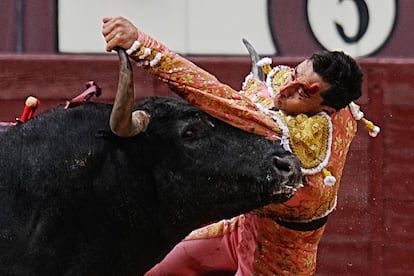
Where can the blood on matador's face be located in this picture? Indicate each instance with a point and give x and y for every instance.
(301, 93)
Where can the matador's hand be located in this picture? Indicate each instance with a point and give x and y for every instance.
(118, 31)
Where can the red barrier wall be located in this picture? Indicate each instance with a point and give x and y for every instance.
(372, 230)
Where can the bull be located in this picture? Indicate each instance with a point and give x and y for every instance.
(77, 199)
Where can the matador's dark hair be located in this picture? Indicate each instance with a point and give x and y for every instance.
(342, 73)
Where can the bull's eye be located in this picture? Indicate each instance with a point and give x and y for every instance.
(188, 133)
(197, 128)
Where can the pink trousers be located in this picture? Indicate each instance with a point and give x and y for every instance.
(225, 247)
(244, 245)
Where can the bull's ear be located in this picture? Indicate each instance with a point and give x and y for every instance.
(140, 121)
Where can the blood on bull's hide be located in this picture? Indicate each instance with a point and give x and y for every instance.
(75, 199)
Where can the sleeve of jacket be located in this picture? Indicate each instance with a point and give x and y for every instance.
(202, 89)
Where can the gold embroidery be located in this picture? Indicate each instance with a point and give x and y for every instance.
(187, 79)
(166, 63)
(139, 52)
(257, 92)
(220, 228)
(279, 77)
(338, 143)
(349, 129)
(308, 261)
(308, 138)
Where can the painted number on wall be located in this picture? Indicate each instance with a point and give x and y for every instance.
(359, 27)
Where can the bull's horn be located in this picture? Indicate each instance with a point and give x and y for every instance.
(257, 71)
(123, 121)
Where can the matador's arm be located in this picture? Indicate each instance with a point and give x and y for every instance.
(201, 88)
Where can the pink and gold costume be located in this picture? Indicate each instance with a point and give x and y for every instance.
(256, 243)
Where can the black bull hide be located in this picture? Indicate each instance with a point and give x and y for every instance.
(77, 200)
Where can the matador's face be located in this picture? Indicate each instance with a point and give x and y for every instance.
(301, 92)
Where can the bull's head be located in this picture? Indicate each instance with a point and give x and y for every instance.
(123, 121)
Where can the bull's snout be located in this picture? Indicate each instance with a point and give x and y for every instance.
(289, 170)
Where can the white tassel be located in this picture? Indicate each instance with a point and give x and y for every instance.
(358, 115)
(329, 179)
(134, 47)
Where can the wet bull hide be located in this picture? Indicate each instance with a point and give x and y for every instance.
(75, 199)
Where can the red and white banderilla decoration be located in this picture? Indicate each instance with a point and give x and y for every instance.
(29, 109)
